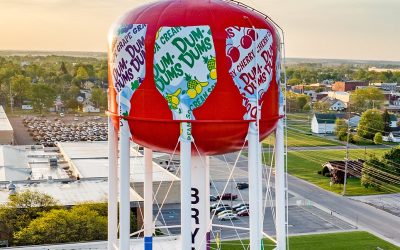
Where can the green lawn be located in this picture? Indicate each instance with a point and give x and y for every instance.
(332, 241)
(300, 139)
(300, 121)
(306, 164)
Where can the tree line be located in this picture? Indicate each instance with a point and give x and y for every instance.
(317, 72)
(40, 79)
(33, 218)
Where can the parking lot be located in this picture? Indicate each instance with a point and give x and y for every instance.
(47, 130)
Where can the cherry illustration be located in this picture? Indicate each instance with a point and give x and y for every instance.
(229, 62)
(252, 34)
(246, 41)
(234, 54)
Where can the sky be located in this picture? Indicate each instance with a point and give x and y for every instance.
(337, 29)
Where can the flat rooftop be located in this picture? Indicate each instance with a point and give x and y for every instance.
(90, 159)
(5, 124)
(19, 163)
(68, 192)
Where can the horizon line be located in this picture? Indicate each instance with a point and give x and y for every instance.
(104, 52)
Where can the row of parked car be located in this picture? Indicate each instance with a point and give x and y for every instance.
(226, 212)
(47, 132)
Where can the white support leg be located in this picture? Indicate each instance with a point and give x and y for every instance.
(148, 199)
(280, 187)
(255, 191)
(200, 202)
(207, 209)
(112, 186)
(185, 157)
(124, 192)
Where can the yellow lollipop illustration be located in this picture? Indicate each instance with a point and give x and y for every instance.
(173, 100)
(194, 86)
(211, 66)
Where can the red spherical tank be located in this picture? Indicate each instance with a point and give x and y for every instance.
(220, 121)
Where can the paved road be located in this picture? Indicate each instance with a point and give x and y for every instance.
(361, 215)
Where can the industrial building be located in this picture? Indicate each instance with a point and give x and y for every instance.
(76, 172)
(6, 130)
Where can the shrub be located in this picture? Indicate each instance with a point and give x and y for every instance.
(378, 138)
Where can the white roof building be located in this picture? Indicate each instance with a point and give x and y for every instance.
(6, 130)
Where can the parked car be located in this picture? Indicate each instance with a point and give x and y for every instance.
(219, 210)
(242, 208)
(215, 205)
(243, 213)
(239, 205)
(213, 198)
(222, 213)
(227, 196)
(242, 185)
(228, 217)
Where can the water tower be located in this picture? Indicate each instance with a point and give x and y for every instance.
(201, 78)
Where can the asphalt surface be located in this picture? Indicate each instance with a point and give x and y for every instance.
(302, 219)
(364, 216)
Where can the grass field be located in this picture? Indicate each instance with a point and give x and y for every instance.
(333, 241)
(300, 139)
(299, 133)
(306, 164)
(300, 121)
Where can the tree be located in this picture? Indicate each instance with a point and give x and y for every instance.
(81, 74)
(386, 122)
(63, 69)
(370, 123)
(43, 97)
(21, 209)
(20, 87)
(321, 106)
(60, 226)
(378, 138)
(302, 101)
(341, 129)
(99, 97)
(379, 172)
(366, 98)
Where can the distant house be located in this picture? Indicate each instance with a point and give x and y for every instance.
(334, 104)
(324, 123)
(354, 120)
(393, 121)
(89, 108)
(348, 85)
(393, 136)
(340, 95)
(337, 169)
(88, 85)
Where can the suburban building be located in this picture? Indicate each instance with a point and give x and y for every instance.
(6, 130)
(348, 85)
(334, 104)
(324, 123)
(393, 120)
(353, 120)
(89, 108)
(393, 136)
(340, 95)
(388, 86)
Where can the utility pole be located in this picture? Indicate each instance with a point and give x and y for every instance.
(347, 156)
